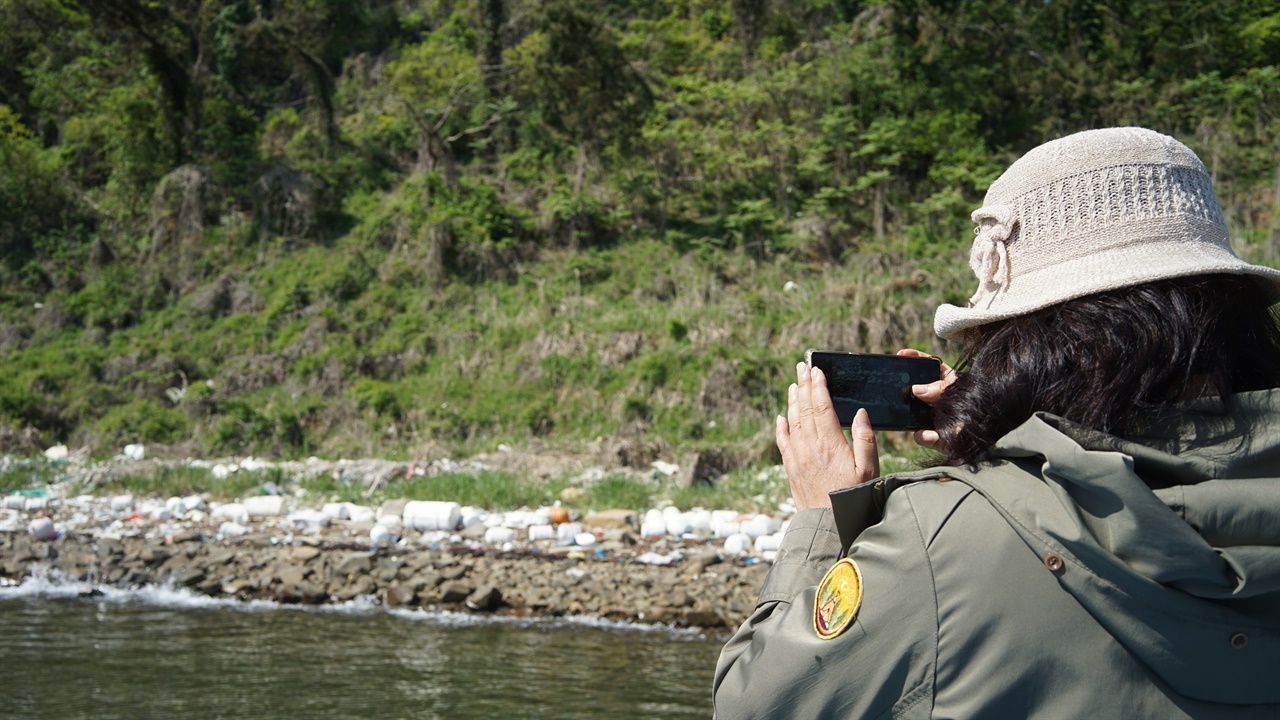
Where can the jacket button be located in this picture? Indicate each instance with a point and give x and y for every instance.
(1053, 561)
(1239, 640)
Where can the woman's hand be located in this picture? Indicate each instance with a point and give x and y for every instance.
(815, 452)
(930, 393)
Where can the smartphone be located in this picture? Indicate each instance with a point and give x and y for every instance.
(879, 383)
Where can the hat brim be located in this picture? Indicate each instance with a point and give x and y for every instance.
(1120, 267)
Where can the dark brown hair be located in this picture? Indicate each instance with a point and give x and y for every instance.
(1112, 360)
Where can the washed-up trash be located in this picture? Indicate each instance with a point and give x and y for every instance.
(676, 522)
(737, 544)
(380, 533)
(541, 532)
(234, 512)
(724, 523)
(360, 514)
(653, 525)
(122, 503)
(424, 515)
(499, 535)
(472, 516)
(584, 539)
(336, 511)
(653, 558)
(220, 471)
(699, 520)
(57, 452)
(768, 543)
(265, 506)
(758, 526)
(15, 502)
(567, 532)
(665, 468)
(232, 529)
(135, 451)
(310, 520)
(42, 529)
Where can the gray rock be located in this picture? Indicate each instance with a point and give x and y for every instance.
(398, 595)
(354, 564)
(486, 598)
(456, 591)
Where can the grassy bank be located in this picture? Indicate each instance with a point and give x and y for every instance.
(642, 341)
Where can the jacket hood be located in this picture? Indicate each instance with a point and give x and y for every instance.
(1186, 575)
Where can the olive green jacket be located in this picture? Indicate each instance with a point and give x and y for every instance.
(1051, 581)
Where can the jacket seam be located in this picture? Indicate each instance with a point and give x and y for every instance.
(927, 687)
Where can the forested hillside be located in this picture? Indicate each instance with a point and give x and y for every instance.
(294, 227)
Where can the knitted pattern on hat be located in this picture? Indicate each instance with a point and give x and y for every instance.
(1089, 212)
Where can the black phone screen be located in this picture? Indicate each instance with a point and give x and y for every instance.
(879, 383)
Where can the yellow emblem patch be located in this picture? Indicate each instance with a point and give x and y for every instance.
(839, 596)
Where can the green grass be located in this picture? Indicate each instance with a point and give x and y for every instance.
(488, 489)
(29, 475)
(186, 480)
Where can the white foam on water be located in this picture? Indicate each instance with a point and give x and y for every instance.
(51, 584)
(450, 618)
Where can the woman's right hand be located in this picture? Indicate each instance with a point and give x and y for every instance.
(930, 393)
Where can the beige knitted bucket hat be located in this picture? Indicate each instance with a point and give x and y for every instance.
(1094, 211)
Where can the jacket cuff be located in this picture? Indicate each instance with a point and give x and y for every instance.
(808, 550)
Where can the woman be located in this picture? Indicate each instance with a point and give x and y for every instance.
(1102, 536)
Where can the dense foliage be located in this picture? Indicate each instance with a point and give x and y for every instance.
(299, 226)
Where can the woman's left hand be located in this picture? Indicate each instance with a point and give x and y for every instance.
(815, 452)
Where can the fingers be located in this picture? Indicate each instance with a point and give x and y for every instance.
(804, 394)
(782, 435)
(793, 407)
(820, 397)
(930, 392)
(866, 457)
(928, 438)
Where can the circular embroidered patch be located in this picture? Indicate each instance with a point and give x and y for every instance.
(837, 600)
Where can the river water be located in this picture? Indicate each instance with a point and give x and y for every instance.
(157, 653)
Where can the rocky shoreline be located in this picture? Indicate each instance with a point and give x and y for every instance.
(701, 590)
(698, 568)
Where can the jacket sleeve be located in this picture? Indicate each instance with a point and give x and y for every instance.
(776, 666)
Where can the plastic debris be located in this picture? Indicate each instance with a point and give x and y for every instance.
(42, 529)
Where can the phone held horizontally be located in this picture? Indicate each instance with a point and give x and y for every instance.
(879, 383)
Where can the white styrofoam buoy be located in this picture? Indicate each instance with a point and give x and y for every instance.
(310, 520)
(235, 512)
(380, 533)
(566, 532)
(265, 506)
(737, 544)
(499, 535)
(232, 529)
(653, 525)
(426, 515)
